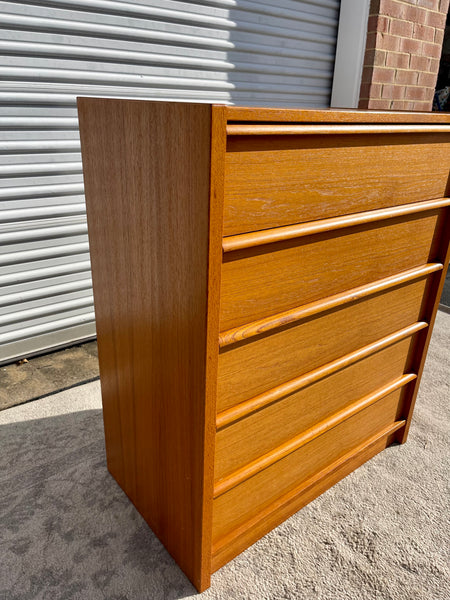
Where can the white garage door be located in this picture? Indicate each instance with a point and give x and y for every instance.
(230, 51)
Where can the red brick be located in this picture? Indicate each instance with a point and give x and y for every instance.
(375, 57)
(415, 93)
(373, 39)
(432, 50)
(439, 36)
(384, 24)
(402, 28)
(443, 6)
(386, 93)
(383, 75)
(433, 65)
(363, 103)
(410, 46)
(420, 15)
(367, 75)
(395, 59)
(376, 104)
(423, 32)
(388, 42)
(411, 13)
(375, 90)
(364, 90)
(378, 23)
(394, 92)
(374, 7)
(435, 19)
(370, 90)
(430, 4)
(427, 79)
(392, 8)
(406, 77)
(399, 105)
(424, 105)
(372, 23)
(419, 63)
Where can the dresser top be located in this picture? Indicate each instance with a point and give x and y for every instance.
(238, 113)
(296, 115)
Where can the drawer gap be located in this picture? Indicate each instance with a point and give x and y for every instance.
(237, 334)
(250, 406)
(235, 478)
(231, 544)
(278, 234)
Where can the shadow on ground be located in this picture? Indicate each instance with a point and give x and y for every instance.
(67, 528)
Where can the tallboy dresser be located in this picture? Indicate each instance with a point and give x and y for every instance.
(265, 284)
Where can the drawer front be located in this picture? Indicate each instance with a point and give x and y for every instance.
(271, 181)
(247, 499)
(251, 367)
(262, 431)
(261, 281)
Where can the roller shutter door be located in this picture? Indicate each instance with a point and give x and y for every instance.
(241, 52)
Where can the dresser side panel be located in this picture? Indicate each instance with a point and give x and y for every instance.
(147, 179)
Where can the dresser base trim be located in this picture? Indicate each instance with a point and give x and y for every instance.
(273, 515)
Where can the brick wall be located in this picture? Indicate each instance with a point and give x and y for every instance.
(401, 63)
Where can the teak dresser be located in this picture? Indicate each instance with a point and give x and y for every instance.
(265, 283)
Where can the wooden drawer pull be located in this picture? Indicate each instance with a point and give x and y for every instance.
(243, 409)
(295, 494)
(269, 236)
(294, 129)
(238, 334)
(240, 475)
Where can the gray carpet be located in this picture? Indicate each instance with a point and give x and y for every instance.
(68, 531)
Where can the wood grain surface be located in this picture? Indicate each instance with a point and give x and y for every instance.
(287, 115)
(147, 177)
(218, 142)
(274, 455)
(273, 181)
(259, 282)
(244, 501)
(277, 357)
(263, 430)
(282, 390)
(237, 334)
(239, 385)
(430, 311)
(239, 538)
(268, 236)
(331, 129)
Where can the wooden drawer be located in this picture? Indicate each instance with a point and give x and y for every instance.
(275, 180)
(245, 439)
(264, 280)
(255, 366)
(242, 502)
